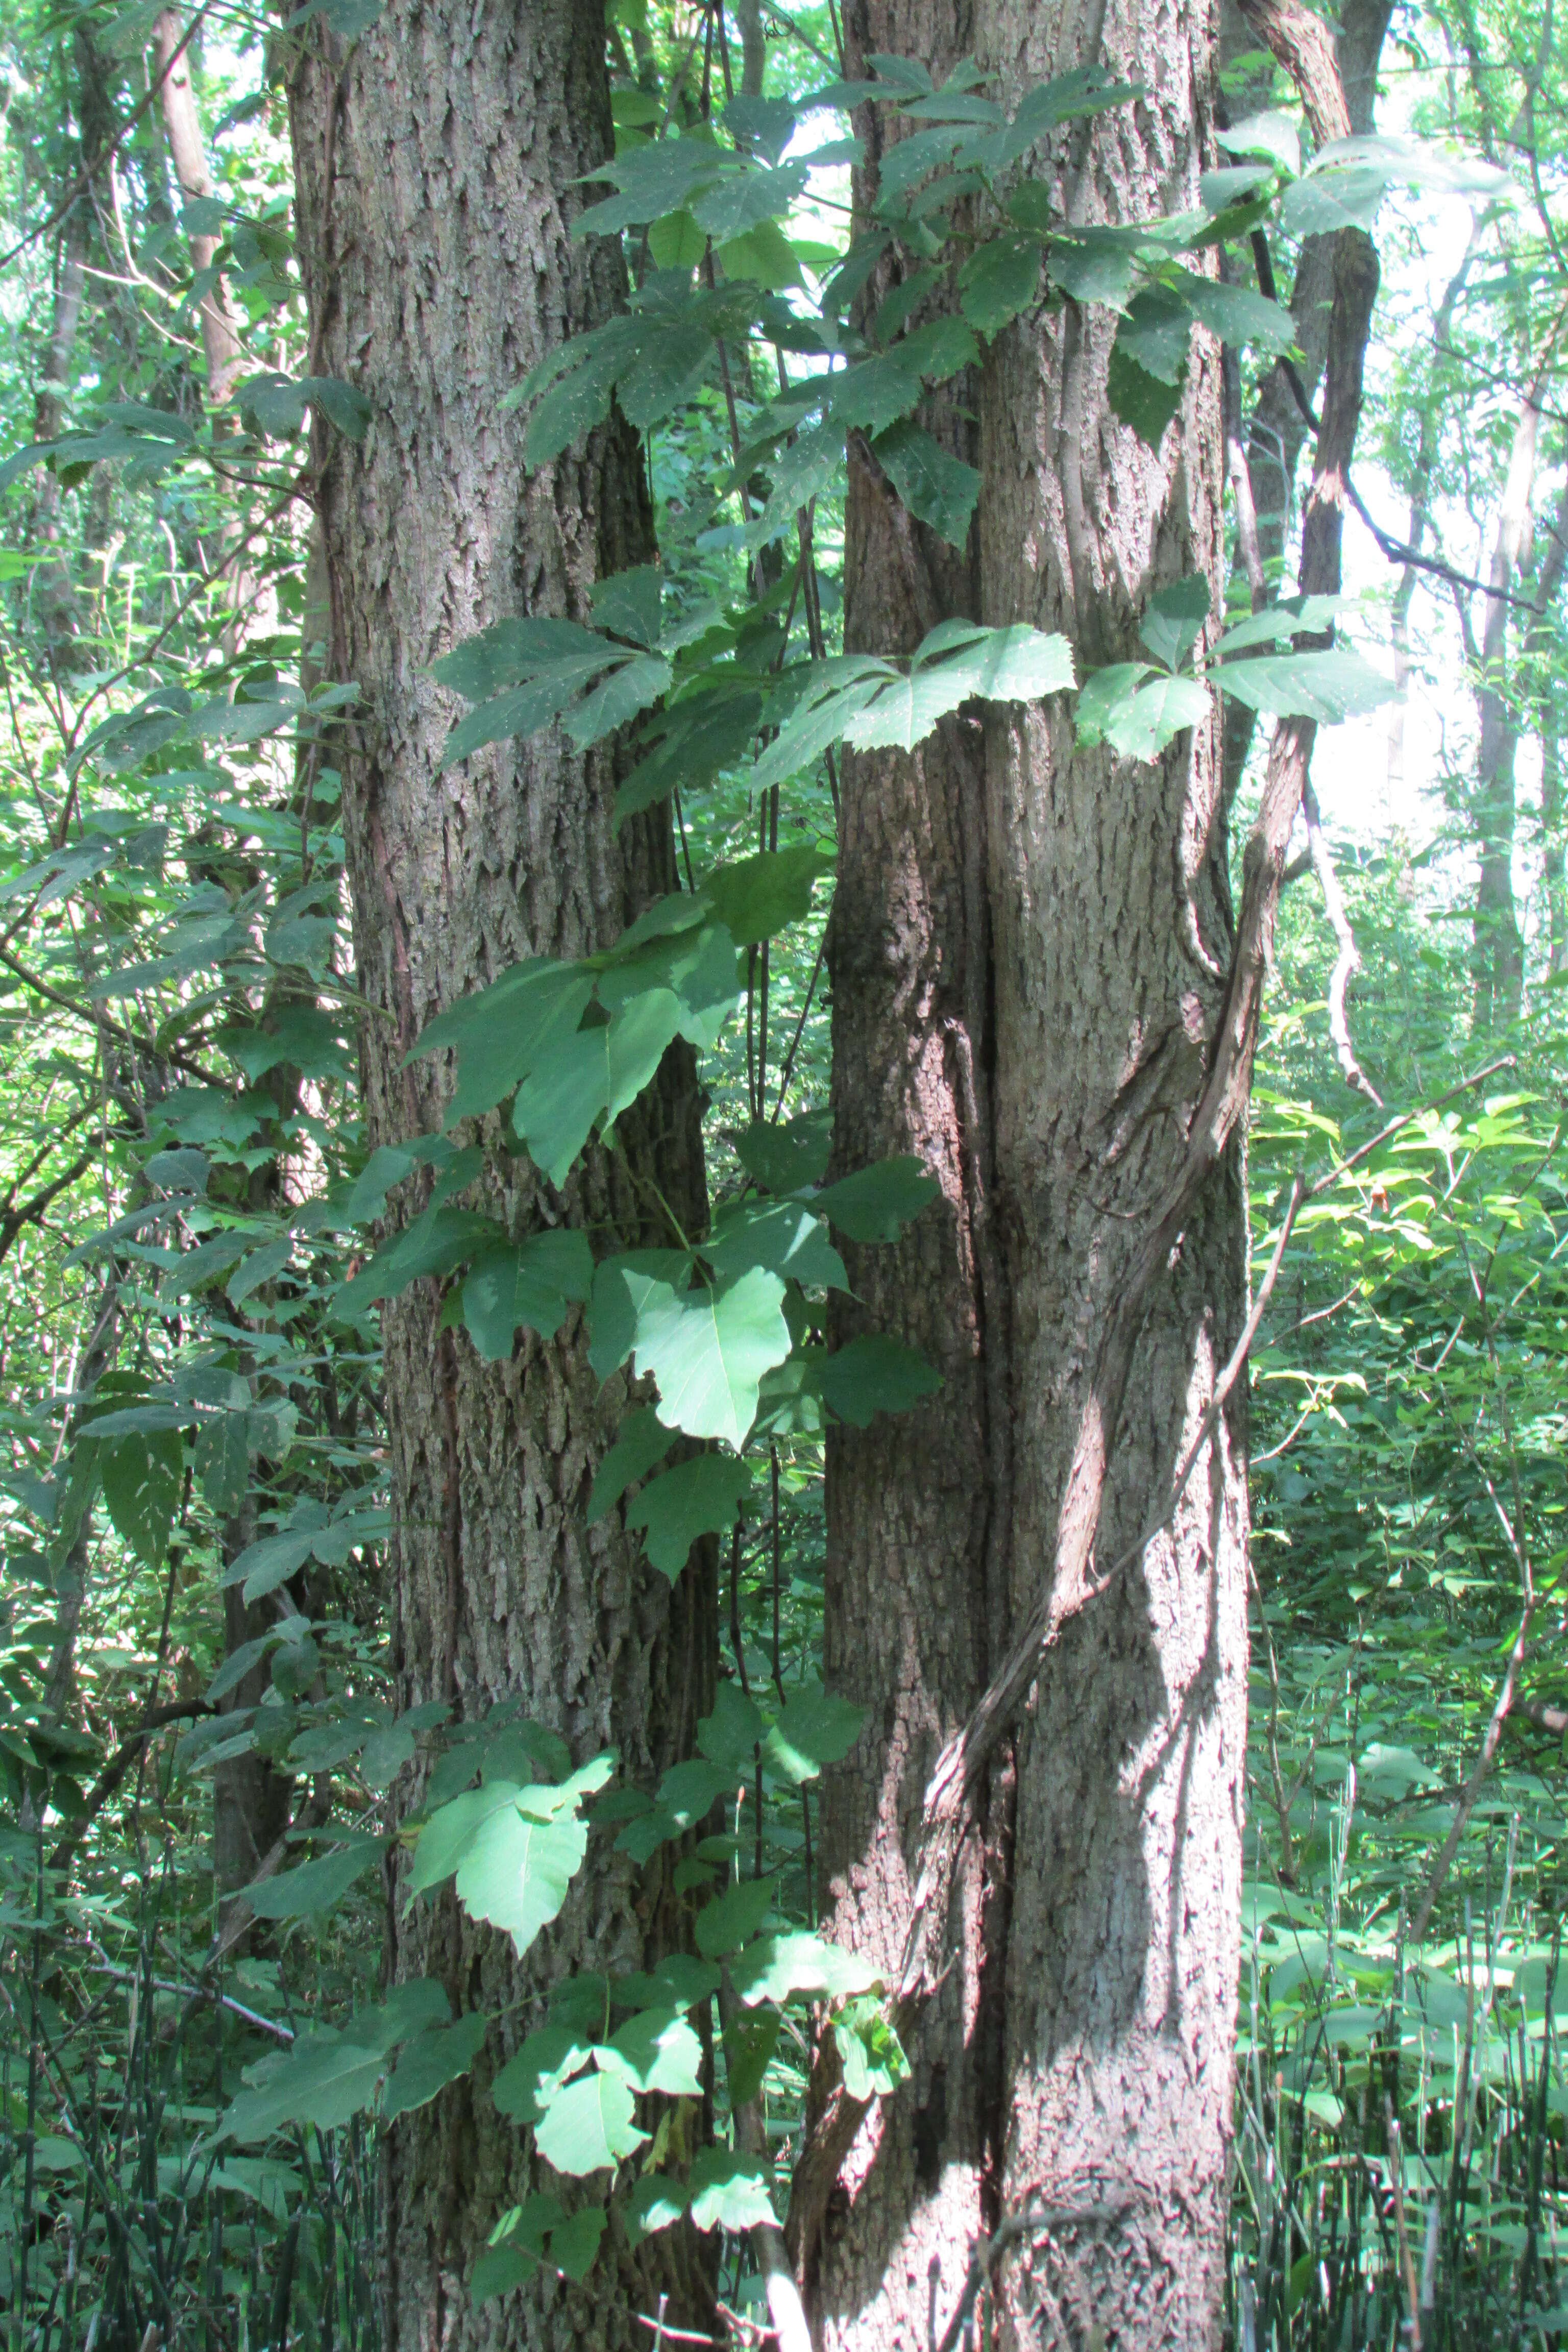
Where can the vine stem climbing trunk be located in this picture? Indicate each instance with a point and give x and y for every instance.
(438, 162)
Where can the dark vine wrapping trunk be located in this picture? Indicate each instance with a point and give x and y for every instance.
(436, 162)
(1029, 949)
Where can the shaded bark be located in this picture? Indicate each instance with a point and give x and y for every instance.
(436, 166)
(1030, 951)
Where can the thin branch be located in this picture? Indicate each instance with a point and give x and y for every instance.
(1347, 963)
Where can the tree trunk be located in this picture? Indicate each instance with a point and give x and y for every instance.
(1030, 949)
(436, 162)
(1497, 955)
(223, 352)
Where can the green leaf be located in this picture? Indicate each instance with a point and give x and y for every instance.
(816, 1728)
(327, 2076)
(1093, 269)
(733, 1917)
(630, 604)
(617, 699)
(787, 1157)
(517, 1871)
(1327, 686)
(500, 2268)
(611, 1310)
(876, 1203)
(730, 1734)
(708, 1348)
(870, 2051)
(750, 2040)
(777, 1967)
(574, 2243)
(938, 488)
(430, 2062)
(1136, 711)
(536, 2073)
(696, 1498)
(735, 205)
(587, 2127)
(754, 897)
(784, 1236)
(1175, 619)
(314, 1888)
(434, 1244)
(656, 2202)
(729, 2191)
(643, 1440)
(1235, 314)
(525, 709)
(531, 1285)
(957, 662)
(998, 281)
(143, 1473)
(658, 2051)
(1144, 402)
(1155, 332)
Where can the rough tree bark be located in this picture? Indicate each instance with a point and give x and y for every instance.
(436, 162)
(1030, 949)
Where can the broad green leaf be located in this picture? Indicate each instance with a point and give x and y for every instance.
(1093, 269)
(816, 1728)
(587, 2127)
(1175, 620)
(531, 1285)
(1154, 332)
(938, 488)
(327, 2076)
(533, 2076)
(785, 1236)
(734, 205)
(429, 2063)
(434, 1244)
(630, 604)
(777, 1968)
(643, 1440)
(730, 1734)
(876, 1203)
(574, 2243)
(870, 2050)
(141, 1474)
(707, 1348)
(1293, 617)
(696, 1498)
(1137, 711)
(617, 699)
(733, 1917)
(998, 281)
(658, 2051)
(729, 2191)
(997, 665)
(875, 1374)
(525, 709)
(450, 1831)
(499, 2269)
(515, 1872)
(756, 897)
(313, 1888)
(1327, 686)
(1143, 401)
(1234, 314)
(787, 1157)
(750, 2041)
(656, 2202)
(613, 1310)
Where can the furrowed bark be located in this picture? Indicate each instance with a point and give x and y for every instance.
(436, 164)
(913, 1592)
(1121, 1074)
(1059, 920)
